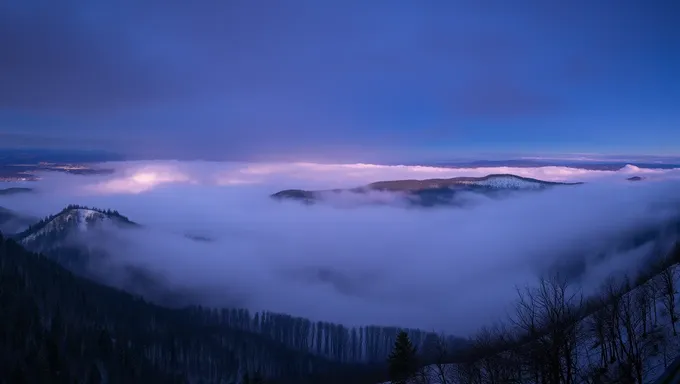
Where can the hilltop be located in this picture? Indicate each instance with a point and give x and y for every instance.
(428, 192)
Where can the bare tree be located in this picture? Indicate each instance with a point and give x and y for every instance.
(422, 376)
(485, 342)
(623, 330)
(653, 291)
(597, 328)
(550, 316)
(560, 308)
(612, 291)
(435, 354)
(442, 370)
(667, 288)
(468, 370)
(632, 339)
(505, 343)
(526, 321)
(644, 305)
(553, 333)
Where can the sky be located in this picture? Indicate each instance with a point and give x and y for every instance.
(452, 269)
(348, 80)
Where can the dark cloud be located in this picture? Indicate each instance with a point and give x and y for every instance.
(19, 140)
(498, 100)
(74, 57)
(164, 78)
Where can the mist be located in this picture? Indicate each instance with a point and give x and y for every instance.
(211, 229)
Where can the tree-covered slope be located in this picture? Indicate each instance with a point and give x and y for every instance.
(428, 192)
(58, 327)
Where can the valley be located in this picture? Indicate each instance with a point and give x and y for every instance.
(284, 348)
(355, 192)
(287, 349)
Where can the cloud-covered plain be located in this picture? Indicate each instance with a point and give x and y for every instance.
(444, 269)
(142, 176)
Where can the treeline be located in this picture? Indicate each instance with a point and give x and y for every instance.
(557, 336)
(107, 212)
(57, 327)
(43, 222)
(371, 344)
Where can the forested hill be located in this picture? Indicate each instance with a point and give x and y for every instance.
(70, 213)
(58, 327)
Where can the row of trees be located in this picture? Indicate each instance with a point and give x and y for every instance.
(43, 222)
(58, 327)
(371, 344)
(556, 336)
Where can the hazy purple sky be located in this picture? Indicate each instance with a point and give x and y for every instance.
(340, 80)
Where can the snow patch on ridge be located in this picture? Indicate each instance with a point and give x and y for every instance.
(506, 182)
(81, 218)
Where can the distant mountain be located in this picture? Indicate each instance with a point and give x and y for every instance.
(37, 155)
(635, 178)
(496, 181)
(429, 192)
(14, 191)
(602, 165)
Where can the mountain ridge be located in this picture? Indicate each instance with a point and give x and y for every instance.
(72, 238)
(94, 330)
(429, 192)
(496, 180)
(73, 215)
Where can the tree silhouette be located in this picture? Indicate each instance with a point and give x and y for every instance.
(402, 361)
(256, 378)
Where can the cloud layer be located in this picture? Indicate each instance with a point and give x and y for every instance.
(445, 269)
(143, 176)
(351, 81)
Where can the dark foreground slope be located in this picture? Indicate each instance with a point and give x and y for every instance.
(72, 239)
(59, 328)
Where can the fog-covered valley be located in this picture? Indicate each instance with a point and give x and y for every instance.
(211, 233)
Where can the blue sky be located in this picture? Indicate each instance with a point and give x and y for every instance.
(340, 80)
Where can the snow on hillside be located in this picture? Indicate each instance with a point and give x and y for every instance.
(80, 218)
(662, 347)
(506, 182)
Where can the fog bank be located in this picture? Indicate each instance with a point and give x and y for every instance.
(444, 269)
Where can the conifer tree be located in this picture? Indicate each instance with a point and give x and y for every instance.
(402, 361)
(256, 378)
